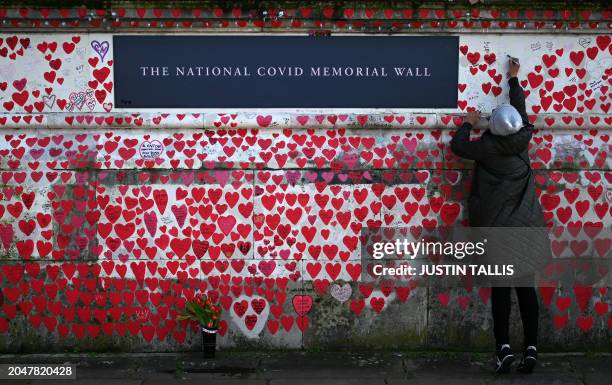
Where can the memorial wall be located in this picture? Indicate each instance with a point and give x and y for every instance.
(123, 194)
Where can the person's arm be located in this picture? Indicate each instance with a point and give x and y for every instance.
(517, 96)
(461, 144)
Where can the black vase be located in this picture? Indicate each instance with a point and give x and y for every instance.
(209, 342)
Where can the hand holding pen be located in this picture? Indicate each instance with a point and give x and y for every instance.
(514, 66)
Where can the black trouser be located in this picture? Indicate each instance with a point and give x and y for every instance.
(528, 305)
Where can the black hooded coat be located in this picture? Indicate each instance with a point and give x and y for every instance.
(503, 190)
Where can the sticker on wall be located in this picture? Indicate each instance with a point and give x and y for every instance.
(151, 150)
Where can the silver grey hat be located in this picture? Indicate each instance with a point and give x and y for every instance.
(505, 120)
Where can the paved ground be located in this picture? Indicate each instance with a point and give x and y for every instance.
(320, 368)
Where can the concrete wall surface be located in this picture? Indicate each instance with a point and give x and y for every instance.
(110, 219)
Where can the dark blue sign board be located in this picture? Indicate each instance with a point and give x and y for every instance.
(285, 71)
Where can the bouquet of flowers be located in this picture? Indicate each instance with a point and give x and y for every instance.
(202, 310)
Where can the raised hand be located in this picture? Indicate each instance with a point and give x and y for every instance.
(514, 68)
(472, 117)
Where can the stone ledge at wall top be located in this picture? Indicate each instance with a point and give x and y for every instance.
(283, 16)
(281, 120)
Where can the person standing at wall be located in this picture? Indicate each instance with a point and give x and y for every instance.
(503, 195)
